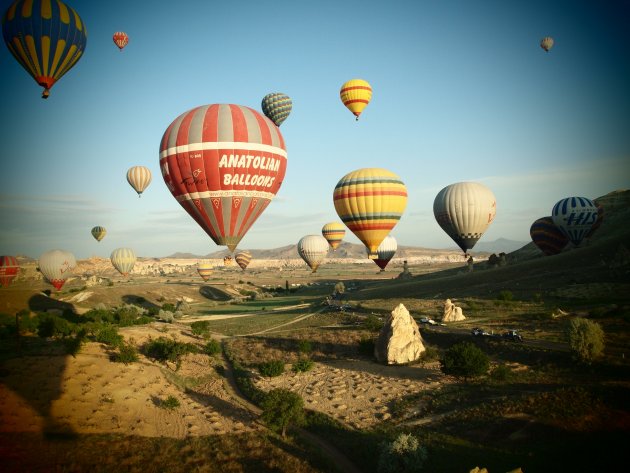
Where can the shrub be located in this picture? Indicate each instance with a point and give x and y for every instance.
(213, 347)
(305, 346)
(99, 315)
(53, 326)
(169, 403)
(200, 327)
(73, 344)
(168, 306)
(166, 316)
(282, 408)
(126, 316)
(586, 339)
(109, 335)
(27, 323)
(465, 360)
(505, 296)
(404, 454)
(366, 347)
(271, 368)
(373, 323)
(302, 366)
(127, 353)
(430, 354)
(164, 349)
(502, 373)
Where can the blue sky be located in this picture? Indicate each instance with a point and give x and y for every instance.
(462, 92)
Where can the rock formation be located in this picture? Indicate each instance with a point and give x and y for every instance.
(399, 341)
(452, 313)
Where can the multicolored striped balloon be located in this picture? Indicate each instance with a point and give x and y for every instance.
(227, 261)
(356, 95)
(9, 268)
(47, 38)
(56, 266)
(386, 251)
(204, 268)
(224, 164)
(370, 202)
(99, 233)
(574, 216)
(123, 259)
(277, 107)
(243, 258)
(547, 236)
(120, 39)
(139, 177)
(334, 233)
(312, 249)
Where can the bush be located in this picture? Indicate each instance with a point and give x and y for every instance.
(430, 354)
(166, 316)
(201, 327)
(505, 296)
(404, 454)
(73, 344)
(169, 403)
(502, 373)
(305, 346)
(126, 316)
(53, 326)
(465, 360)
(366, 347)
(282, 408)
(168, 306)
(271, 368)
(373, 323)
(165, 349)
(213, 347)
(27, 323)
(586, 339)
(109, 335)
(99, 315)
(302, 366)
(127, 353)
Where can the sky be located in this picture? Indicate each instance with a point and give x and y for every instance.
(462, 91)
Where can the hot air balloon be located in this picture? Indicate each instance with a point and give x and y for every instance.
(355, 95)
(465, 210)
(123, 259)
(56, 266)
(386, 251)
(574, 216)
(243, 258)
(99, 233)
(223, 164)
(547, 236)
(312, 249)
(227, 261)
(334, 233)
(120, 39)
(9, 268)
(139, 177)
(370, 202)
(598, 222)
(47, 38)
(204, 269)
(546, 43)
(276, 107)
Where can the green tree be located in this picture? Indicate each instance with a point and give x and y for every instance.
(586, 339)
(465, 360)
(404, 454)
(282, 408)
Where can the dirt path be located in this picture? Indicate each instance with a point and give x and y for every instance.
(298, 319)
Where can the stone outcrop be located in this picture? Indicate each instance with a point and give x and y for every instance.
(452, 313)
(399, 341)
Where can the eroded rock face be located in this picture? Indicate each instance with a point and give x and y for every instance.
(452, 313)
(399, 341)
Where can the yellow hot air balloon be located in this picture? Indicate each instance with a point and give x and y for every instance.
(123, 259)
(204, 268)
(355, 95)
(370, 202)
(334, 233)
(99, 232)
(546, 43)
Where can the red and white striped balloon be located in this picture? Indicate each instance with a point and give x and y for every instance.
(120, 39)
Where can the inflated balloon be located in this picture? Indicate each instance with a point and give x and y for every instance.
(465, 210)
(99, 233)
(370, 202)
(227, 261)
(386, 251)
(243, 258)
(123, 259)
(224, 164)
(356, 95)
(574, 216)
(46, 37)
(312, 249)
(546, 43)
(598, 222)
(120, 39)
(56, 266)
(9, 268)
(547, 236)
(276, 107)
(334, 233)
(139, 177)
(204, 269)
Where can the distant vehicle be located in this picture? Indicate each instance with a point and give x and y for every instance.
(512, 335)
(480, 332)
(427, 320)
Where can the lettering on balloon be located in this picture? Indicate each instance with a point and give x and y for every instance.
(248, 180)
(248, 160)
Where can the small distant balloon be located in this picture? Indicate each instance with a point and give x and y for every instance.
(574, 216)
(139, 177)
(547, 236)
(546, 43)
(123, 259)
(120, 39)
(385, 252)
(99, 233)
(227, 261)
(356, 95)
(204, 269)
(243, 258)
(9, 268)
(277, 107)
(56, 266)
(312, 249)
(334, 233)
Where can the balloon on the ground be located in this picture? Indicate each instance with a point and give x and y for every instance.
(356, 95)
(139, 177)
(313, 249)
(370, 202)
(227, 261)
(121, 39)
(123, 259)
(385, 251)
(46, 37)
(277, 107)
(9, 268)
(334, 233)
(465, 210)
(243, 258)
(204, 268)
(224, 164)
(547, 236)
(56, 266)
(574, 216)
(546, 43)
(99, 232)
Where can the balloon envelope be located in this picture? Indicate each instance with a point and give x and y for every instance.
(227, 261)
(465, 210)
(370, 202)
(334, 233)
(205, 270)
(224, 164)
(356, 95)
(99, 233)
(139, 177)
(56, 266)
(574, 216)
(47, 38)
(120, 39)
(546, 43)
(123, 259)
(277, 107)
(243, 258)
(547, 236)
(9, 268)
(312, 249)
(386, 251)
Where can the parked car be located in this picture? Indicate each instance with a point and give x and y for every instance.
(427, 320)
(512, 335)
(480, 332)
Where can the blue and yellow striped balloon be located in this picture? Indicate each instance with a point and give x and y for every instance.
(47, 38)
(276, 107)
